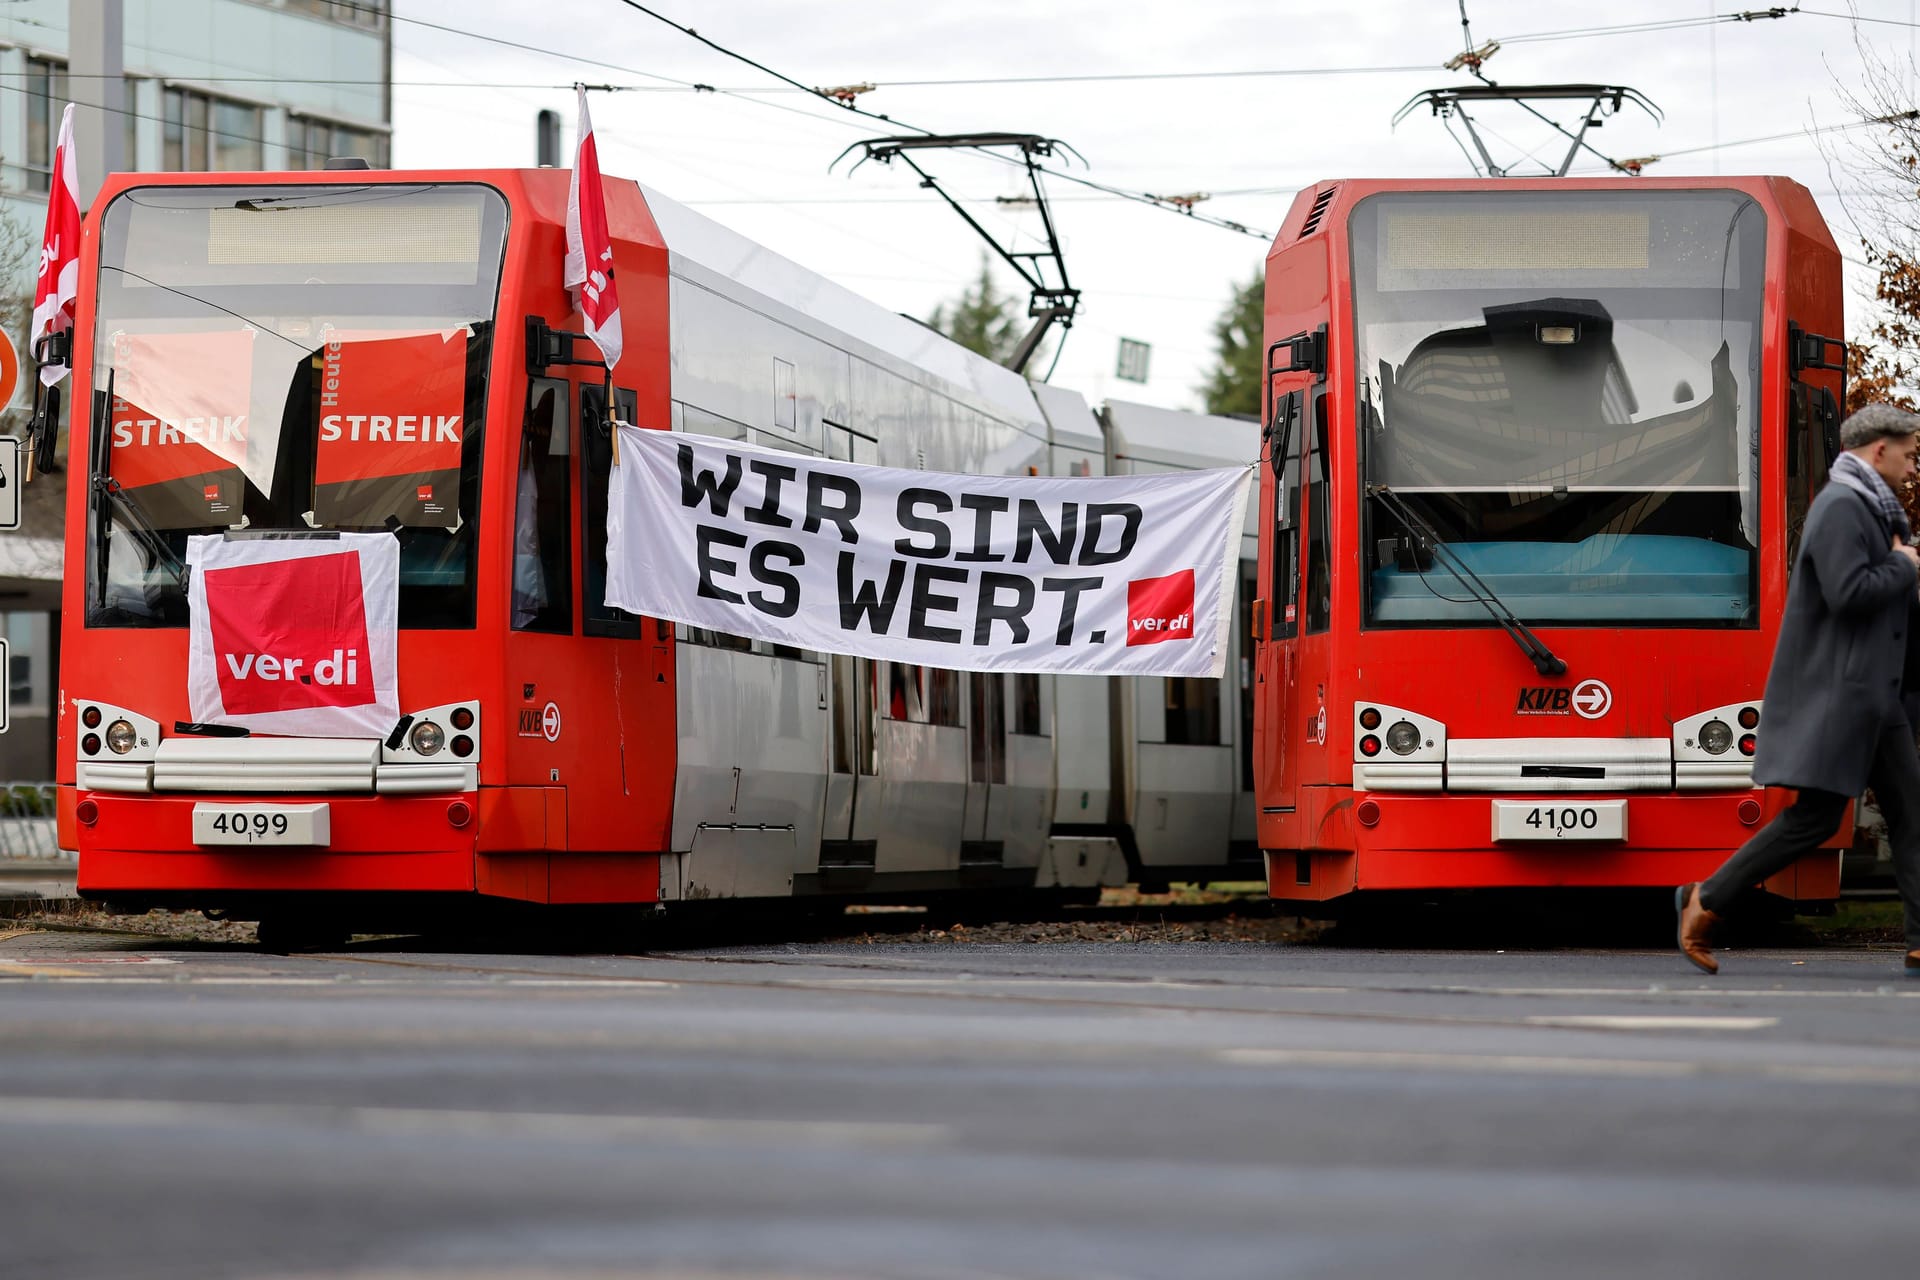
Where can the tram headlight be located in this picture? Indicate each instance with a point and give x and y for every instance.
(427, 738)
(1402, 738)
(1715, 737)
(121, 737)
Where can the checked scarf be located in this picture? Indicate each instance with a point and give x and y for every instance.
(1856, 475)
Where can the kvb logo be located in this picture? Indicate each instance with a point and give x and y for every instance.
(290, 635)
(1160, 608)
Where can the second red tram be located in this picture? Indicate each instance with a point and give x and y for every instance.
(1538, 456)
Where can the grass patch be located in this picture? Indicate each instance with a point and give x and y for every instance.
(1858, 922)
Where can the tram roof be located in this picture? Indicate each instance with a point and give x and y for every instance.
(820, 303)
(1173, 438)
(1068, 417)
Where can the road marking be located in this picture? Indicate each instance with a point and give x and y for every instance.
(1537, 1064)
(561, 1126)
(110, 959)
(1650, 1022)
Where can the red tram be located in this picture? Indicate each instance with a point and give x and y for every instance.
(1540, 453)
(317, 355)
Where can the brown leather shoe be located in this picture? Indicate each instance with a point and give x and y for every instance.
(1696, 928)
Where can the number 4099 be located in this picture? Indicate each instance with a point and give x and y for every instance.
(250, 824)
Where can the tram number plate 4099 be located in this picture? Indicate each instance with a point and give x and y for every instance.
(260, 824)
(1564, 820)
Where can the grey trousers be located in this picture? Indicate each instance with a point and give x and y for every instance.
(1815, 815)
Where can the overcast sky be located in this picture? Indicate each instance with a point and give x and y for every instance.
(756, 155)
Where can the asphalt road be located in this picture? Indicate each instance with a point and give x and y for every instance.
(837, 1111)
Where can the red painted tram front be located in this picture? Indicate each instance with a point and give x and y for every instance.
(1539, 454)
(215, 314)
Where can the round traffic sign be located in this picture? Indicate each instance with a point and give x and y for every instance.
(9, 369)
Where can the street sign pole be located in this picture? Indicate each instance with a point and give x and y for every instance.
(9, 482)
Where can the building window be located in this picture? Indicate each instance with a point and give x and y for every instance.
(371, 14)
(202, 133)
(46, 96)
(311, 143)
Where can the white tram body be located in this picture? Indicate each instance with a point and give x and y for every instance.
(802, 773)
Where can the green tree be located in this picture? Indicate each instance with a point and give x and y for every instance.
(982, 318)
(1234, 384)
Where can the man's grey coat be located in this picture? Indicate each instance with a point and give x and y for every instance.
(1837, 669)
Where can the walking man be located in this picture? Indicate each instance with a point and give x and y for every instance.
(1833, 719)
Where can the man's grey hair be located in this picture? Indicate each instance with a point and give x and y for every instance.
(1876, 422)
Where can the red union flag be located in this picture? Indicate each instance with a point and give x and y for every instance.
(589, 246)
(295, 636)
(59, 254)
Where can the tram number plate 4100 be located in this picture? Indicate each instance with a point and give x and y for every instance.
(260, 824)
(1568, 820)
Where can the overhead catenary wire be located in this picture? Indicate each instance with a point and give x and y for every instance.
(1137, 196)
(1661, 24)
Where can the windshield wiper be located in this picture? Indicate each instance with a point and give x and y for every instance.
(144, 531)
(110, 492)
(1543, 658)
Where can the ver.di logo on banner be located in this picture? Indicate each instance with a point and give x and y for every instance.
(293, 635)
(290, 635)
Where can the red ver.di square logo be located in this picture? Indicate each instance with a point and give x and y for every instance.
(290, 635)
(1160, 608)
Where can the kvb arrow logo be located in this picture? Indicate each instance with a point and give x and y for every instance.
(1592, 699)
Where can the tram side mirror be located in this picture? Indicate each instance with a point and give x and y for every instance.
(1306, 353)
(43, 427)
(1827, 410)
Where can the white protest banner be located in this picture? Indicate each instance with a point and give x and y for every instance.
(295, 636)
(1124, 575)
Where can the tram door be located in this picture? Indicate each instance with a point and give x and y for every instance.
(1276, 653)
(850, 826)
(986, 764)
(848, 833)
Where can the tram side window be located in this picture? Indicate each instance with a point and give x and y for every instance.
(943, 697)
(596, 464)
(1285, 443)
(904, 696)
(1026, 705)
(1319, 562)
(543, 514)
(1193, 711)
(1249, 588)
(987, 737)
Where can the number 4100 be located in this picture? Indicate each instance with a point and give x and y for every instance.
(1563, 819)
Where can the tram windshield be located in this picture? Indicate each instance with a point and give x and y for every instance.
(1563, 386)
(300, 358)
